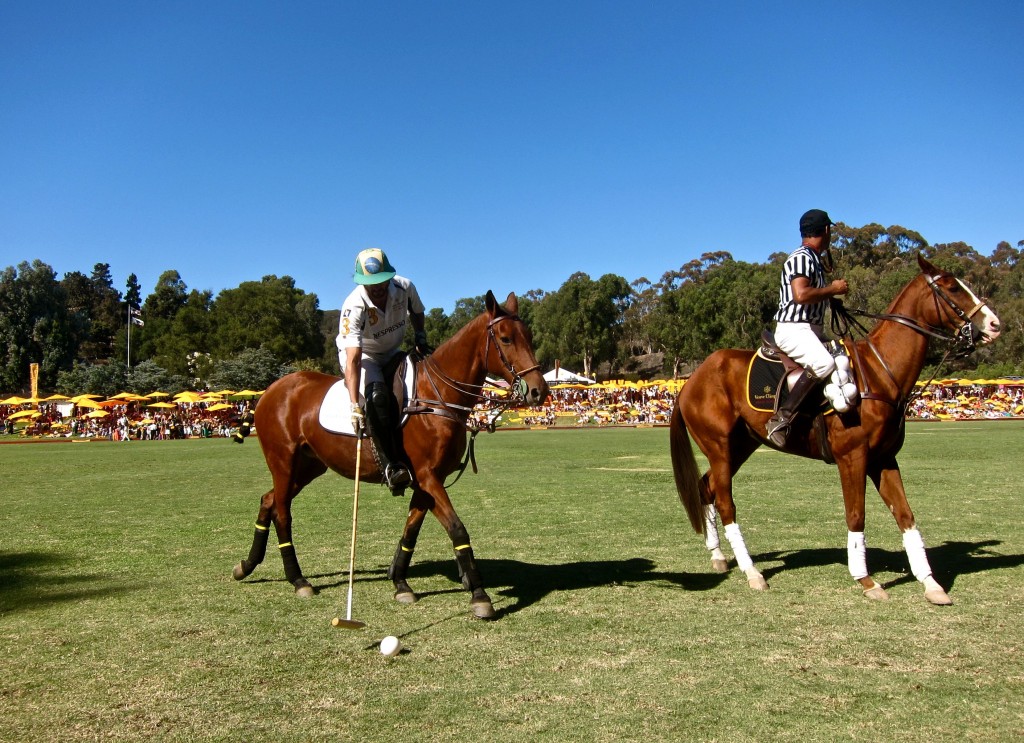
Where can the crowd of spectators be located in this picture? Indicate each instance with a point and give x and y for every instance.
(125, 421)
(604, 404)
(651, 403)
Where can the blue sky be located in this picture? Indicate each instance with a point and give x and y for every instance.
(498, 146)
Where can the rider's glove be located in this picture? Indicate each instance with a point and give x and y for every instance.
(422, 347)
(357, 418)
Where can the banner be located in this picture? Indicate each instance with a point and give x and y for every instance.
(33, 375)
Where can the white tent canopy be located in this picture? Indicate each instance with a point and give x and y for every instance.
(559, 374)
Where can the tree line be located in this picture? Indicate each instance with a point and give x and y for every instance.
(77, 327)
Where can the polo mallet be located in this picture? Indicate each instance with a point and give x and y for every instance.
(348, 622)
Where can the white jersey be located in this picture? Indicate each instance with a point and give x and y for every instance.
(379, 334)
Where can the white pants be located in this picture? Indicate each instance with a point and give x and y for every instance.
(372, 367)
(802, 342)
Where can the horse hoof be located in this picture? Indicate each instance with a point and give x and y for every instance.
(877, 593)
(938, 597)
(405, 597)
(483, 610)
(756, 581)
(305, 592)
(239, 572)
(720, 566)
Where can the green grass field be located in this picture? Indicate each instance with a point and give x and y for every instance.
(120, 620)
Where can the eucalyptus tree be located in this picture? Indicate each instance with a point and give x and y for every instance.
(34, 326)
(581, 323)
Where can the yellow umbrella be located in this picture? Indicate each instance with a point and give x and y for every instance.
(86, 402)
(24, 414)
(97, 414)
(247, 394)
(188, 397)
(158, 394)
(162, 405)
(218, 406)
(51, 398)
(223, 393)
(15, 400)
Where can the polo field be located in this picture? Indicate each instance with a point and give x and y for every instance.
(121, 620)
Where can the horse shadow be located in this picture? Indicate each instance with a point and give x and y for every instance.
(522, 584)
(37, 579)
(949, 561)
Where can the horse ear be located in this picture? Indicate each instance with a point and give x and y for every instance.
(927, 267)
(490, 302)
(512, 303)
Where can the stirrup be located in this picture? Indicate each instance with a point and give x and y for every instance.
(397, 478)
(778, 430)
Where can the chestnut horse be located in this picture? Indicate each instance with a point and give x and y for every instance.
(449, 381)
(712, 407)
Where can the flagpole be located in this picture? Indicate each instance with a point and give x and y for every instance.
(129, 336)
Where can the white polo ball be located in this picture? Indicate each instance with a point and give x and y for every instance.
(390, 646)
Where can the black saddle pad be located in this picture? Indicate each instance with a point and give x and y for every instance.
(764, 375)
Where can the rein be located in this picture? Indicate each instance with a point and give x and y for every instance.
(460, 414)
(961, 340)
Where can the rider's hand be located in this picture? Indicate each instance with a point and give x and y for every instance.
(422, 347)
(839, 286)
(357, 418)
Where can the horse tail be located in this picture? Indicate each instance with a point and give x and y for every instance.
(689, 484)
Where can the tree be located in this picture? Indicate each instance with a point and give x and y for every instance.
(270, 313)
(253, 368)
(169, 295)
(34, 325)
(582, 321)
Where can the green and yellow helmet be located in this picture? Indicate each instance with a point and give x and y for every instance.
(373, 267)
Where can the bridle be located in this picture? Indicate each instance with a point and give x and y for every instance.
(962, 339)
(518, 387)
(461, 414)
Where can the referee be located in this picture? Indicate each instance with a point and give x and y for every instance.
(799, 322)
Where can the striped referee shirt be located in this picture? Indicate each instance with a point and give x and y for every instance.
(801, 262)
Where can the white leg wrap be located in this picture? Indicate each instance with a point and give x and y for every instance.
(711, 528)
(914, 545)
(739, 547)
(857, 554)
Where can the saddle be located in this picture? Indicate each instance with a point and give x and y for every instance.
(336, 408)
(767, 389)
(766, 375)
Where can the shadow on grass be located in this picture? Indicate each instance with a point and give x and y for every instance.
(948, 560)
(526, 583)
(38, 579)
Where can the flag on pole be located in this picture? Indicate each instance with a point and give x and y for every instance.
(138, 321)
(135, 314)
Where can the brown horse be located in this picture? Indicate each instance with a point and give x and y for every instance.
(449, 381)
(712, 407)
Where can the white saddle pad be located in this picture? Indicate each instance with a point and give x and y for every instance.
(336, 409)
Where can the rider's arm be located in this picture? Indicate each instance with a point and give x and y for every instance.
(804, 293)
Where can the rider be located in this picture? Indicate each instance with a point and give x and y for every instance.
(372, 325)
(799, 330)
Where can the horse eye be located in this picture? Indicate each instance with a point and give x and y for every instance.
(505, 339)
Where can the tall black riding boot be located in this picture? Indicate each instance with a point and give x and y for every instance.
(379, 407)
(779, 424)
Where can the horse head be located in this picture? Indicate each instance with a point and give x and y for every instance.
(509, 350)
(958, 308)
